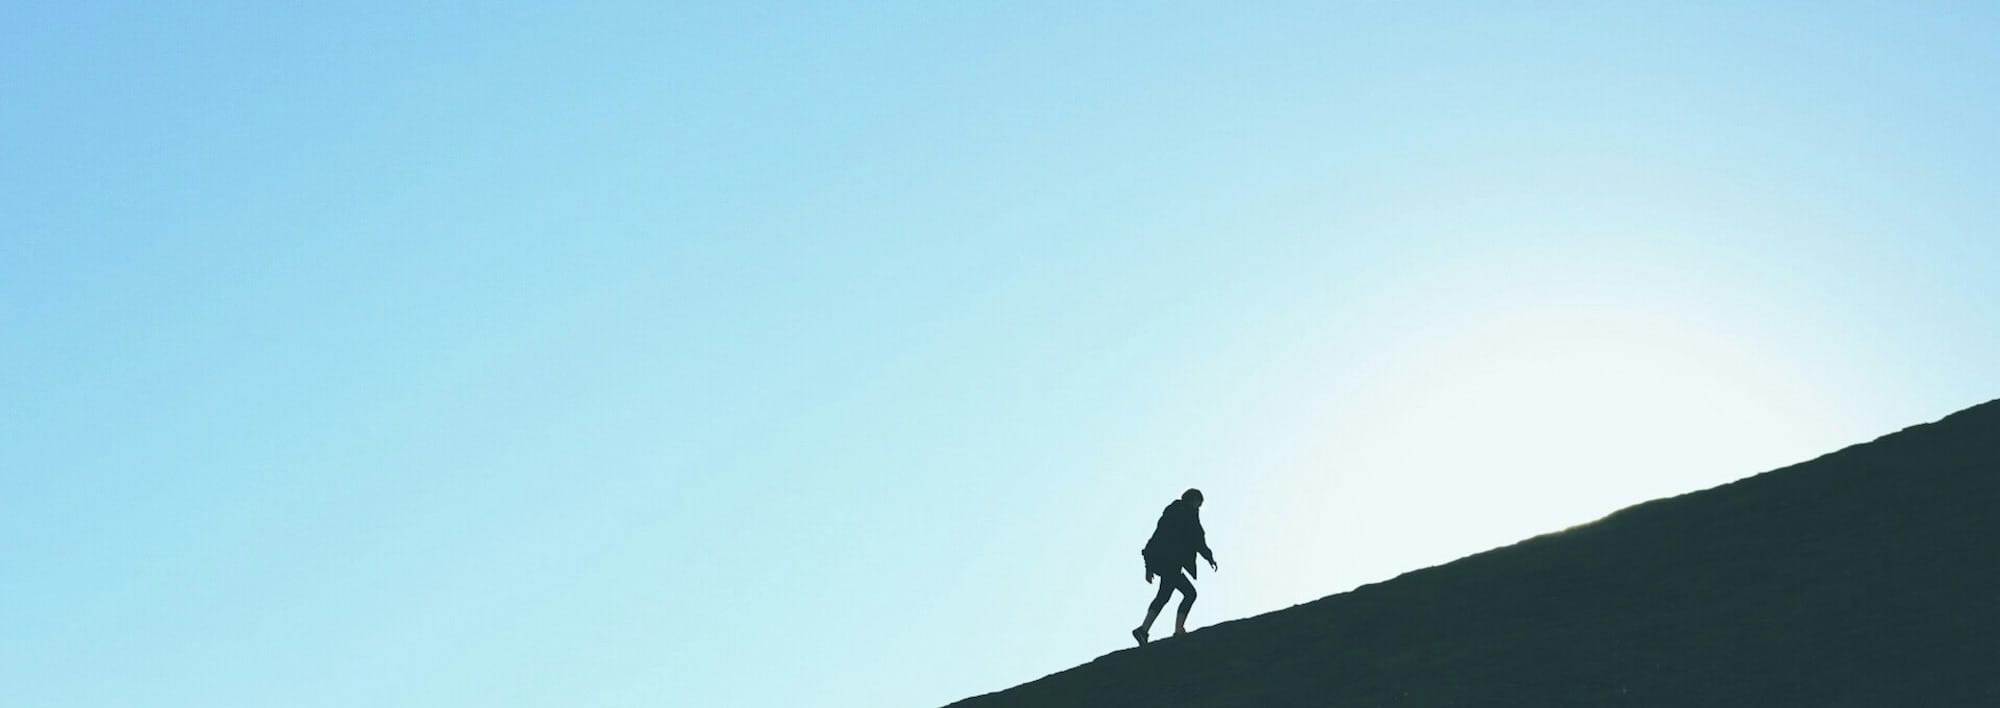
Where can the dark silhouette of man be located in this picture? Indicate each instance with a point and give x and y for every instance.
(1176, 539)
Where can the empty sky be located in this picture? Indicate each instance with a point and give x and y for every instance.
(677, 354)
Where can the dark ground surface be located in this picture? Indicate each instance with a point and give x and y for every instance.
(1866, 577)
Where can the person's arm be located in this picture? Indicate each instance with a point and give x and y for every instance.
(1201, 543)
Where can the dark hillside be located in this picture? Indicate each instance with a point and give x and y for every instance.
(1868, 577)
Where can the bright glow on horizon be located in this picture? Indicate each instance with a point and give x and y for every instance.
(1529, 409)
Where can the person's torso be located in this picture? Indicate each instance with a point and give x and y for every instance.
(1173, 536)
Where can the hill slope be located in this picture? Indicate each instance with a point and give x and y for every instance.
(1866, 577)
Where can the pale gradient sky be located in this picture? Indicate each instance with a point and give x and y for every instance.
(647, 354)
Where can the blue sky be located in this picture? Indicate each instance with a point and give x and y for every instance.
(635, 354)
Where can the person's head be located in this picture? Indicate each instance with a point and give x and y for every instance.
(1192, 496)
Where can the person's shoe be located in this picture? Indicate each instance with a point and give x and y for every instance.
(1140, 634)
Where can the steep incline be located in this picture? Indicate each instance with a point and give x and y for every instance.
(1868, 577)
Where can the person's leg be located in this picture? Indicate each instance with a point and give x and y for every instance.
(1153, 610)
(1187, 603)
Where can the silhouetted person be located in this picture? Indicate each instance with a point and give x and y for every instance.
(1176, 540)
